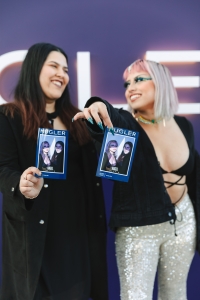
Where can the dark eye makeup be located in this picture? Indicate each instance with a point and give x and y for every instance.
(137, 79)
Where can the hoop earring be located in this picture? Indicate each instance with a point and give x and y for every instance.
(164, 124)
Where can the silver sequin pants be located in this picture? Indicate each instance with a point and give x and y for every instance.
(141, 251)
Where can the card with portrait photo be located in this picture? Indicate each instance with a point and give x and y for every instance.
(51, 153)
(117, 154)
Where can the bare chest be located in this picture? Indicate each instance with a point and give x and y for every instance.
(170, 146)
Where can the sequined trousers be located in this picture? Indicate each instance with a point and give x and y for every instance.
(141, 251)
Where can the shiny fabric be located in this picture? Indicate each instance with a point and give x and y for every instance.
(166, 247)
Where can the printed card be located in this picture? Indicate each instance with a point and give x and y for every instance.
(51, 154)
(117, 154)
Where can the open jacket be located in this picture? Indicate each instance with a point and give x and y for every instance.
(24, 220)
(144, 199)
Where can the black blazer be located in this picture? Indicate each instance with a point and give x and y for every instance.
(144, 199)
(23, 234)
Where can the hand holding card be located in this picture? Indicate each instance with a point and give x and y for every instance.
(98, 112)
(29, 185)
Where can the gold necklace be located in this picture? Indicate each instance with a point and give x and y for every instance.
(145, 121)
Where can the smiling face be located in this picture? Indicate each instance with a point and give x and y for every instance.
(45, 148)
(53, 76)
(113, 147)
(127, 148)
(140, 91)
(58, 148)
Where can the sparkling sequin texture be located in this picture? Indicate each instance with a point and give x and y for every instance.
(141, 251)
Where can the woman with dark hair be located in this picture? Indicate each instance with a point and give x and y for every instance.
(44, 160)
(124, 158)
(156, 214)
(54, 232)
(109, 162)
(57, 158)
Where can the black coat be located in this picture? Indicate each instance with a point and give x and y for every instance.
(24, 221)
(124, 163)
(144, 199)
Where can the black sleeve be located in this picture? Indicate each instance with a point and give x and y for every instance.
(10, 172)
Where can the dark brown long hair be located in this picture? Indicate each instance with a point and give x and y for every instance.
(29, 99)
(122, 155)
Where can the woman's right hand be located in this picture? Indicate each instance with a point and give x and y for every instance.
(29, 185)
(96, 111)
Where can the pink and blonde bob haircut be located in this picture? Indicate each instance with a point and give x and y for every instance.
(166, 100)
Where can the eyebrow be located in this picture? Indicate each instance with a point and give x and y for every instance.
(65, 67)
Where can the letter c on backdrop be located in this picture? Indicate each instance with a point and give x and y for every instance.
(8, 59)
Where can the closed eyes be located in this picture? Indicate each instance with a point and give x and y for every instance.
(55, 66)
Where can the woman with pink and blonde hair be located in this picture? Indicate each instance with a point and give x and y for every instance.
(156, 215)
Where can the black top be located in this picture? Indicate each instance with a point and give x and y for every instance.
(107, 166)
(67, 237)
(42, 166)
(143, 200)
(185, 170)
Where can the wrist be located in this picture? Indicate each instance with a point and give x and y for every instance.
(31, 197)
(28, 197)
